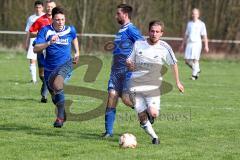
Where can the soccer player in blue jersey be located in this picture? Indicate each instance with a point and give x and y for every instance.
(57, 39)
(117, 86)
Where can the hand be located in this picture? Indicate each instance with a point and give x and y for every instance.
(75, 58)
(54, 39)
(130, 65)
(206, 49)
(180, 87)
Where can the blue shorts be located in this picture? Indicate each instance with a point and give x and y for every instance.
(64, 70)
(119, 81)
(40, 60)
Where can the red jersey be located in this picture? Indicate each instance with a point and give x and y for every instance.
(40, 23)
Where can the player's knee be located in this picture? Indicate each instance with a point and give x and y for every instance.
(154, 112)
(58, 83)
(112, 94)
(127, 100)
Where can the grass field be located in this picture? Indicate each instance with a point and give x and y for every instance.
(204, 123)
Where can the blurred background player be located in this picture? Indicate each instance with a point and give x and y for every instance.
(196, 29)
(125, 38)
(146, 60)
(44, 20)
(57, 39)
(38, 7)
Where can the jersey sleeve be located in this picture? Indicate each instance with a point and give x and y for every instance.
(203, 30)
(170, 58)
(134, 34)
(41, 37)
(73, 32)
(27, 25)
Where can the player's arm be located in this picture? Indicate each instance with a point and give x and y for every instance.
(27, 41)
(204, 35)
(176, 77)
(130, 62)
(185, 37)
(205, 40)
(76, 49)
(40, 46)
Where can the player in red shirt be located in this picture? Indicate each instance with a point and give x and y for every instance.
(34, 29)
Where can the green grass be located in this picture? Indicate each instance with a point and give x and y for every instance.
(204, 123)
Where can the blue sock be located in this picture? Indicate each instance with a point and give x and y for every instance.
(109, 119)
(59, 101)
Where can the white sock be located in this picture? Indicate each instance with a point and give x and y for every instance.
(149, 129)
(196, 68)
(33, 71)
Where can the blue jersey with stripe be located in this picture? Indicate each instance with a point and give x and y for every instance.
(59, 52)
(124, 40)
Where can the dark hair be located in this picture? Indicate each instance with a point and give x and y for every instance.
(38, 3)
(49, 1)
(156, 23)
(126, 9)
(57, 10)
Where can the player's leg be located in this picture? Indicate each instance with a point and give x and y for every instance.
(110, 113)
(44, 90)
(32, 58)
(55, 83)
(195, 56)
(153, 109)
(33, 70)
(141, 108)
(114, 91)
(189, 63)
(126, 96)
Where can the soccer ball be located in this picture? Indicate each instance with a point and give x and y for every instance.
(127, 140)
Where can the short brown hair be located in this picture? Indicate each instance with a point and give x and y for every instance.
(158, 23)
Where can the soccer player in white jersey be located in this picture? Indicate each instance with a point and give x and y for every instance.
(146, 60)
(38, 7)
(196, 29)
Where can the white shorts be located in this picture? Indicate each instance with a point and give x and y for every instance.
(143, 102)
(193, 50)
(30, 53)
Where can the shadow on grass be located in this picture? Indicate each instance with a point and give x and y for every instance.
(55, 132)
(19, 99)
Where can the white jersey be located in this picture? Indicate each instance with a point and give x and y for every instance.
(30, 21)
(148, 60)
(195, 30)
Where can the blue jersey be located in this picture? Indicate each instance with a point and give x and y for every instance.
(124, 40)
(59, 52)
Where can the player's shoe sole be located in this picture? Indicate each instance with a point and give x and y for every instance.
(155, 141)
(58, 123)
